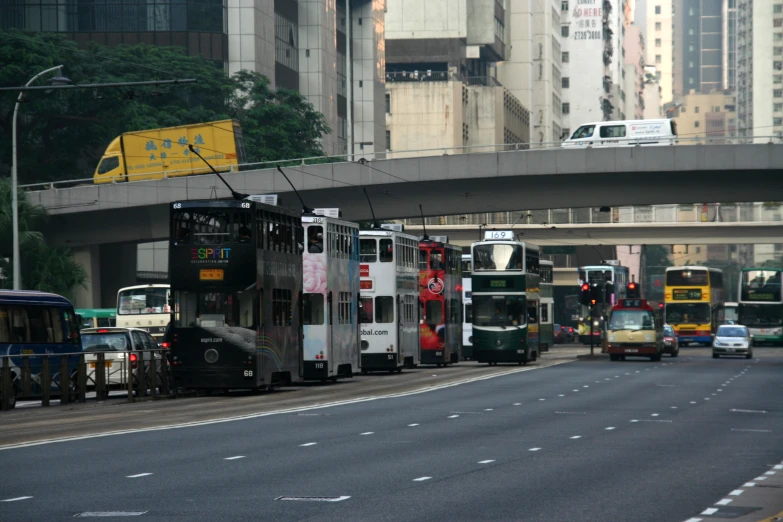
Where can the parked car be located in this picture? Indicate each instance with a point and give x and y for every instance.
(732, 339)
(569, 334)
(670, 343)
(122, 347)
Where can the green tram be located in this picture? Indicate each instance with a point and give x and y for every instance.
(505, 283)
(546, 330)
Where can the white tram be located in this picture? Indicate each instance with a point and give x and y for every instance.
(467, 302)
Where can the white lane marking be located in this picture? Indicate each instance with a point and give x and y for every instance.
(736, 492)
(412, 425)
(598, 382)
(625, 374)
(517, 404)
(724, 502)
(452, 416)
(488, 409)
(541, 399)
(673, 407)
(561, 395)
(759, 479)
(779, 466)
(617, 376)
(748, 484)
(754, 431)
(15, 499)
(709, 511)
(309, 444)
(693, 520)
(367, 433)
(485, 461)
(138, 475)
(637, 371)
(576, 437)
(635, 420)
(281, 412)
(714, 394)
(235, 458)
(748, 411)
(609, 428)
(586, 386)
(575, 390)
(534, 449)
(720, 389)
(654, 415)
(693, 402)
(421, 479)
(706, 398)
(770, 472)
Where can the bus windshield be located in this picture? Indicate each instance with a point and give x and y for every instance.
(761, 285)
(631, 320)
(499, 310)
(686, 277)
(145, 300)
(688, 313)
(730, 313)
(761, 315)
(498, 257)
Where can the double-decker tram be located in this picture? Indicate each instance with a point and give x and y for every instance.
(467, 303)
(506, 293)
(440, 300)
(388, 310)
(609, 272)
(761, 304)
(145, 307)
(634, 330)
(330, 301)
(693, 299)
(547, 326)
(236, 279)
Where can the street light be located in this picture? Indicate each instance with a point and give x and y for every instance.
(57, 80)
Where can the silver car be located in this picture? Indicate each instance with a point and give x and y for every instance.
(732, 339)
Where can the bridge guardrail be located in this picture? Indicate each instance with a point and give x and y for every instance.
(140, 372)
(389, 154)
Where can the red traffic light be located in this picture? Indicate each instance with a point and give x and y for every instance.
(585, 287)
(631, 286)
(660, 305)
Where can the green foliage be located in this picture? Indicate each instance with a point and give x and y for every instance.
(44, 268)
(656, 256)
(62, 135)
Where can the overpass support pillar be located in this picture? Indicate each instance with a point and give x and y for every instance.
(118, 269)
(88, 296)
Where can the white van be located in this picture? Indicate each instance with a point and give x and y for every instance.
(623, 134)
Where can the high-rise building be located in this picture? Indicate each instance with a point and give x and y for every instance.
(659, 49)
(633, 73)
(297, 44)
(652, 94)
(760, 68)
(710, 116)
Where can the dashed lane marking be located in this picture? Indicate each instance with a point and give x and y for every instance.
(367, 433)
(610, 428)
(139, 475)
(452, 416)
(412, 425)
(15, 499)
(534, 449)
(235, 458)
(576, 437)
(308, 444)
(736, 492)
(421, 479)
(724, 502)
(485, 461)
(709, 511)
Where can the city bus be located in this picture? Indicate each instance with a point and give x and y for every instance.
(467, 303)
(440, 301)
(34, 323)
(547, 326)
(693, 299)
(761, 304)
(731, 313)
(146, 307)
(635, 329)
(236, 280)
(609, 272)
(330, 301)
(97, 317)
(506, 293)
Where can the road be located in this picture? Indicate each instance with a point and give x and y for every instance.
(690, 438)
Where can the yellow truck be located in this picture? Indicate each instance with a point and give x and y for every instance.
(160, 153)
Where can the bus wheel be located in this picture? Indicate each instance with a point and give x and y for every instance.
(364, 372)
(439, 365)
(399, 370)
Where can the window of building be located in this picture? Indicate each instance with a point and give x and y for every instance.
(565, 82)
(564, 31)
(388, 103)
(778, 37)
(657, 42)
(286, 42)
(777, 93)
(696, 124)
(777, 65)
(777, 78)
(657, 26)
(657, 9)
(500, 30)
(566, 108)
(564, 5)
(777, 107)
(388, 140)
(696, 110)
(657, 58)
(778, 22)
(777, 122)
(777, 8)
(564, 58)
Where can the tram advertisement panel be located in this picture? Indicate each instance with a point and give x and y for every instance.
(432, 329)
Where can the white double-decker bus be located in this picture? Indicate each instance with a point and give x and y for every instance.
(330, 315)
(146, 307)
(389, 304)
(467, 302)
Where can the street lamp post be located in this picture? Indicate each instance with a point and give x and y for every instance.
(14, 195)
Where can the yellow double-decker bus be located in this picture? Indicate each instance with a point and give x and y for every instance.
(694, 298)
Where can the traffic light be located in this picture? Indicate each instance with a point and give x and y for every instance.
(595, 294)
(584, 294)
(632, 290)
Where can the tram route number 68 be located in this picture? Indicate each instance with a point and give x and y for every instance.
(249, 373)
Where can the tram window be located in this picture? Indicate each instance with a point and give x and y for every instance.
(422, 260)
(468, 313)
(182, 228)
(436, 260)
(544, 313)
(384, 309)
(386, 250)
(312, 309)
(368, 247)
(246, 309)
(434, 311)
(315, 239)
(365, 310)
(240, 227)
(344, 308)
(281, 307)
(454, 310)
(532, 312)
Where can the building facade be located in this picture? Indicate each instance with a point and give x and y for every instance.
(633, 73)
(707, 116)
(659, 50)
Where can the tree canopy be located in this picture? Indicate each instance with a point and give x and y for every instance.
(62, 134)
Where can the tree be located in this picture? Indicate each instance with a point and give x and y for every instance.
(62, 135)
(656, 255)
(44, 268)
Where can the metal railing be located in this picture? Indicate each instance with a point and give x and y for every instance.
(69, 376)
(643, 214)
(385, 155)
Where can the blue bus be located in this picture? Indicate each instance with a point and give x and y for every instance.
(34, 323)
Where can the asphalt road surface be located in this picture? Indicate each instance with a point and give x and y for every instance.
(690, 438)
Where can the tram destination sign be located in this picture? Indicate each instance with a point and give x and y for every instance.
(686, 294)
(497, 284)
